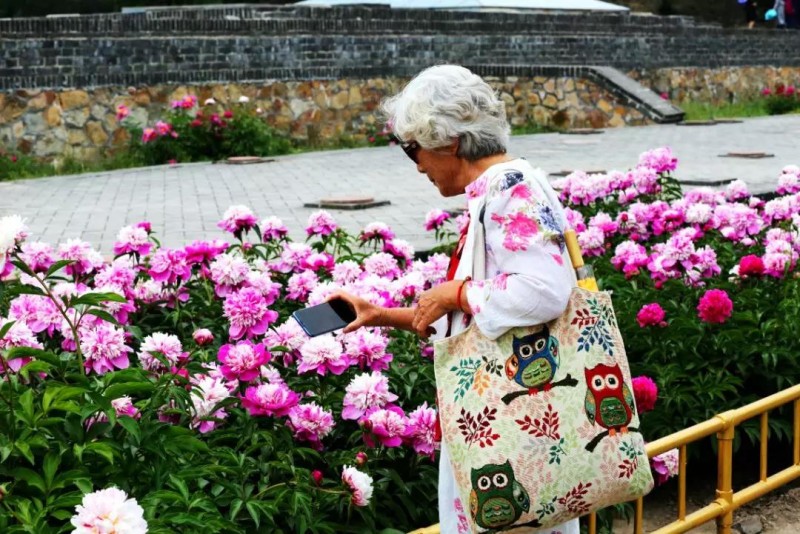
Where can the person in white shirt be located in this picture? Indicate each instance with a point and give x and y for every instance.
(454, 128)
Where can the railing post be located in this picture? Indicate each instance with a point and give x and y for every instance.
(725, 471)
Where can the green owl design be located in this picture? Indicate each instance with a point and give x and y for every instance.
(497, 499)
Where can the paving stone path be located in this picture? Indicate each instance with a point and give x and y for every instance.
(184, 202)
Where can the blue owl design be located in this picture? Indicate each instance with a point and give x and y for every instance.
(534, 361)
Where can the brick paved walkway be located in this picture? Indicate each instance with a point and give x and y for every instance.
(185, 202)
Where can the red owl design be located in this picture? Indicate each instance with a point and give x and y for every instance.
(609, 401)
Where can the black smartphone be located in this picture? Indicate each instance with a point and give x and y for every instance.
(325, 317)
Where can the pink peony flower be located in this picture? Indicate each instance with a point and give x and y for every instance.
(368, 348)
(167, 346)
(19, 335)
(645, 392)
(435, 219)
(665, 465)
(228, 272)
(104, 348)
(109, 511)
(122, 112)
(715, 306)
(85, 258)
(382, 264)
(289, 335)
(660, 160)
(123, 406)
(366, 391)
(300, 285)
(274, 399)
(169, 266)
(400, 249)
(248, 313)
(321, 223)
(751, 265)
(203, 336)
(243, 360)
(323, 354)
(38, 256)
(148, 135)
(651, 315)
(359, 484)
(238, 219)
(377, 230)
(208, 391)
(389, 426)
(272, 228)
(310, 422)
(423, 433)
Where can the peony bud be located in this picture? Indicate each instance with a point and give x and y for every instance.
(203, 336)
(316, 475)
(361, 458)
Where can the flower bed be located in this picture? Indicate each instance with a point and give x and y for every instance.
(176, 375)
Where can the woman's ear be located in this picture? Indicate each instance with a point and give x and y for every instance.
(453, 149)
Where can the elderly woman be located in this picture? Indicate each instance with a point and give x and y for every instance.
(454, 129)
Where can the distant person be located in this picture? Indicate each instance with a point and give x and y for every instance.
(780, 12)
(750, 13)
(790, 8)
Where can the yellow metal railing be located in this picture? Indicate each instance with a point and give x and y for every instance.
(727, 501)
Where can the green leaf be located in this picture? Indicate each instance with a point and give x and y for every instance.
(132, 426)
(31, 477)
(49, 467)
(26, 403)
(104, 315)
(116, 391)
(102, 449)
(58, 394)
(6, 327)
(29, 352)
(22, 266)
(25, 290)
(93, 299)
(25, 450)
(57, 266)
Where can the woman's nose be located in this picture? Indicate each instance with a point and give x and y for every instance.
(420, 168)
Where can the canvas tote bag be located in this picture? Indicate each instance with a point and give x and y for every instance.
(540, 424)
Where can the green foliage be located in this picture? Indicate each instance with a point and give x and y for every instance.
(61, 436)
(706, 111)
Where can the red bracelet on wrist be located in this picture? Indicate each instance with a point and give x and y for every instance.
(458, 295)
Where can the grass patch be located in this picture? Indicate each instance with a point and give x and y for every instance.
(705, 111)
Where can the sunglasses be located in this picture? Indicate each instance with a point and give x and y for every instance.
(411, 149)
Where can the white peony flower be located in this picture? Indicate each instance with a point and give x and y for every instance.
(243, 99)
(12, 231)
(108, 511)
(360, 484)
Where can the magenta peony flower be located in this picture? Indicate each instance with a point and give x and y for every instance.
(166, 345)
(435, 219)
(274, 399)
(228, 272)
(715, 306)
(104, 348)
(751, 265)
(204, 251)
(399, 248)
(248, 313)
(368, 348)
(85, 258)
(203, 336)
(109, 511)
(423, 429)
(659, 159)
(651, 315)
(323, 354)
(19, 335)
(122, 112)
(366, 391)
(309, 422)
(238, 219)
(321, 223)
(389, 426)
(132, 240)
(359, 484)
(148, 135)
(169, 266)
(645, 392)
(665, 466)
(243, 360)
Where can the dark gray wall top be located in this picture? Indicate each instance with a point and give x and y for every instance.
(252, 44)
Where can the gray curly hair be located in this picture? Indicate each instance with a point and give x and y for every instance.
(449, 102)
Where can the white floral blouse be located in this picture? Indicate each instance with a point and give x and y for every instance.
(528, 280)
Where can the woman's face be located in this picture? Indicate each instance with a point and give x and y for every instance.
(443, 169)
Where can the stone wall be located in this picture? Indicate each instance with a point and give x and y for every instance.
(240, 45)
(717, 86)
(82, 123)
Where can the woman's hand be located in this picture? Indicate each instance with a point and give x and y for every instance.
(367, 314)
(433, 304)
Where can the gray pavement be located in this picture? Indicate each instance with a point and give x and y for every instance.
(184, 202)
